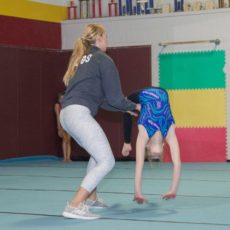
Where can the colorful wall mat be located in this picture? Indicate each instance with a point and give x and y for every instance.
(196, 85)
(200, 145)
(199, 108)
(194, 70)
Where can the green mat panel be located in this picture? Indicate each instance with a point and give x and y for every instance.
(192, 70)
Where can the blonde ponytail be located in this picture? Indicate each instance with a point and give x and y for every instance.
(78, 53)
(81, 48)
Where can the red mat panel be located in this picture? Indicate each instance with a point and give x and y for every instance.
(200, 145)
(30, 33)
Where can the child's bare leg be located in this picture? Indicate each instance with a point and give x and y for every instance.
(68, 146)
(64, 149)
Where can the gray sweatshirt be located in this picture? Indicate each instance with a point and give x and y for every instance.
(96, 84)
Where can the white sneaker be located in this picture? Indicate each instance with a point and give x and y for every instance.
(98, 203)
(80, 212)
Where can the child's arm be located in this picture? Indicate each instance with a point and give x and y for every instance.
(127, 128)
(127, 125)
(171, 139)
(57, 112)
(142, 139)
(126, 149)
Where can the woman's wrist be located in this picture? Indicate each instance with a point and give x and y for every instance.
(138, 107)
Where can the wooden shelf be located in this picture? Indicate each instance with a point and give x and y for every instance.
(150, 16)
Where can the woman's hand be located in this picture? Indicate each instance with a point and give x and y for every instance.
(138, 107)
(135, 114)
(132, 113)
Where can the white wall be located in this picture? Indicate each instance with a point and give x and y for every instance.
(153, 29)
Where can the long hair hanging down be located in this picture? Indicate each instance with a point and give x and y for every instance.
(81, 48)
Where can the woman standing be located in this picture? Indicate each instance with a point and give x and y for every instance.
(92, 82)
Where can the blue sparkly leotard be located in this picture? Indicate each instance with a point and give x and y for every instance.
(155, 111)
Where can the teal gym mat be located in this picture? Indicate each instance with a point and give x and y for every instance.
(34, 194)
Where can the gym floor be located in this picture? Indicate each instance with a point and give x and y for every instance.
(33, 194)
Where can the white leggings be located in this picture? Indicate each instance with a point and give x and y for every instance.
(79, 123)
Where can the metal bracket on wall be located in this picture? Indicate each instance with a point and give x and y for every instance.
(165, 44)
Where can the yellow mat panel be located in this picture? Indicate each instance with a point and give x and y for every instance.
(33, 10)
(199, 108)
